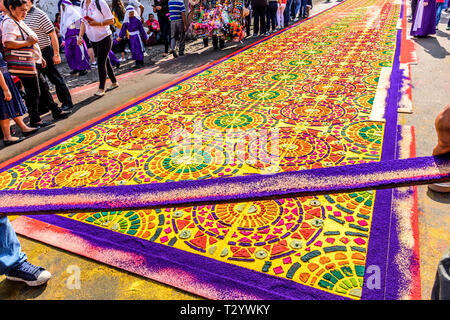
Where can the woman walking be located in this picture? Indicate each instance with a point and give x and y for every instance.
(96, 23)
(18, 37)
(11, 107)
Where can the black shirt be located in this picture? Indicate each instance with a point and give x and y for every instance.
(162, 14)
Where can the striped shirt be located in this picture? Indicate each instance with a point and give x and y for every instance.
(176, 7)
(40, 23)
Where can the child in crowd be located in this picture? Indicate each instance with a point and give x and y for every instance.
(77, 56)
(153, 30)
(11, 107)
(136, 34)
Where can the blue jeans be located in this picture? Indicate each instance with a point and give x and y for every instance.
(296, 7)
(287, 12)
(11, 254)
(439, 7)
(303, 8)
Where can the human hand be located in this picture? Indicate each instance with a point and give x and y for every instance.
(93, 23)
(44, 63)
(79, 41)
(57, 59)
(31, 40)
(7, 95)
(425, 4)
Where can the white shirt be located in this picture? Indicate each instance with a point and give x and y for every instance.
(97, 33)
(11, 32)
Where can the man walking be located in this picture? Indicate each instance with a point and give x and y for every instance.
(178, 26)
(48, 42)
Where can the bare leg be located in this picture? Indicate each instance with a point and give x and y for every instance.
(91, 55)
(22, 125)
(6, 131)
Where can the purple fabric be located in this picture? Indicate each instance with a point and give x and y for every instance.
(136, 40)
(113, 59)
(428, 25)
(152, 195)
(73, 53)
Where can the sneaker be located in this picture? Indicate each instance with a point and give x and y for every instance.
(94, 65)
(30, 274)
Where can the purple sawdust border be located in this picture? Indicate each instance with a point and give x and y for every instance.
(264, 289)
(384, 232)
(366, 176)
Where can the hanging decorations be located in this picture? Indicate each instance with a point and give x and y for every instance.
(224, 19)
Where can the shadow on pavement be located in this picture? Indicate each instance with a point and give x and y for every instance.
(432, 47)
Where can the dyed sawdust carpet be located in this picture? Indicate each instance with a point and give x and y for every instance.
(298, 100)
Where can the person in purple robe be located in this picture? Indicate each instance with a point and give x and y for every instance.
(136, 34)
(424, 19)
(115, 62)
(77, 56)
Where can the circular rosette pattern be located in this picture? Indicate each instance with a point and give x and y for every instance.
(333, 89)
(88, 139)
(85, 169)
(260, 96)
(231, 124)
(228, 82)
(145, 108)
(363, 140)
(138, 223)
(315, 112)
(190, 162)
(148, 133)
(301, 62)
(193, 103)
(289, 150)
(284, 78)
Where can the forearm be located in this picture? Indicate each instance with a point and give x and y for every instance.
(107, 22)
(15, 44)
(55, 42)
(82, 30)
(3, 84)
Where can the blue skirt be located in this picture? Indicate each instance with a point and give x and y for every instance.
(15, 107)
